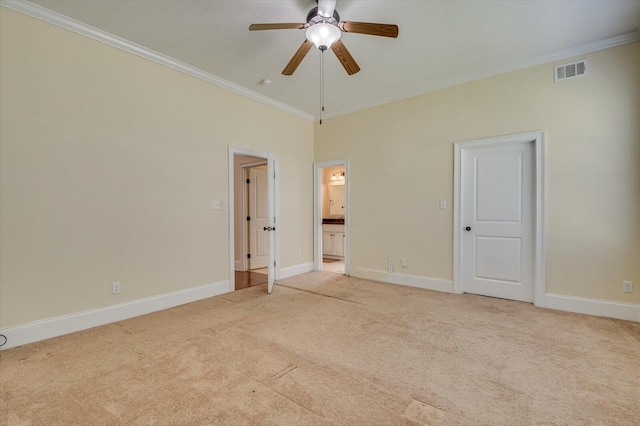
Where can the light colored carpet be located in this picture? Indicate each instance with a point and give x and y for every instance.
(328, 349)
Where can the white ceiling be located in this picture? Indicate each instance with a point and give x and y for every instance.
(441, 43)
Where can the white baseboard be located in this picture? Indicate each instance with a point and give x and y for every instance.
(597, 307)
(291, 271)
(427, 283)
(58, 326)
(580, 305)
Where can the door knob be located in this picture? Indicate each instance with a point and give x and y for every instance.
(268, 228)
(468, 228)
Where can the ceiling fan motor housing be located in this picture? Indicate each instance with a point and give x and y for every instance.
(314, 18)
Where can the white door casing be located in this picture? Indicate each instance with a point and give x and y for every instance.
(259, 218)
(242, 264)
(497, 189)
(499, 194)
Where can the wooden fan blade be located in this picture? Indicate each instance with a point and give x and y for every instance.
(345, 57)
(370, 28)
(260, 27)
(297, 58)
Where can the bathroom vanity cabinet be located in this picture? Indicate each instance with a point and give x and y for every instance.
(333, 240)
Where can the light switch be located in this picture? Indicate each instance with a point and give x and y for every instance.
(443, 204)
(215, 205)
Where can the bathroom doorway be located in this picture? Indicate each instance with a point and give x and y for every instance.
(331, 224)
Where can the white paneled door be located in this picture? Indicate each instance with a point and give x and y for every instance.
(498, 221)
(259, 213)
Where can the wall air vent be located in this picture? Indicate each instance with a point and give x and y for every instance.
(570, 70)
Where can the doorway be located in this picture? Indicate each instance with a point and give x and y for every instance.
(331, 216)
(252, 217)
(498, 223)
(256, 217)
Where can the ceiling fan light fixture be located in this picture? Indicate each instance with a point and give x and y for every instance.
(323, 35)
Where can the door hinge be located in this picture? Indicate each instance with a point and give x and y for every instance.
(248, 180)
(248, 218)
(248, 255)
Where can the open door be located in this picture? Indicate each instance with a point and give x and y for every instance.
(271, 227)
(267, 242)
(259, 245)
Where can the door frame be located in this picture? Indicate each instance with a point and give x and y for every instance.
(317, 212)
(244, 237)
(274, 207)
(539, 251)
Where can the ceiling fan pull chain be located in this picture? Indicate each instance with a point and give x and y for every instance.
(321, 84)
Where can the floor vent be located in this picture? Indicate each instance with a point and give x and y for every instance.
(570, 70)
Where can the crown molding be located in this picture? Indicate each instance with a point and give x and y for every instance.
(559, 55)
(78, 27)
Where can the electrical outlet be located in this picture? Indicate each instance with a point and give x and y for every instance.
(627, 286)
(443, 204)
(403, 262)
(299, 254)
(215, 205)
(389, 264)
(115, 288)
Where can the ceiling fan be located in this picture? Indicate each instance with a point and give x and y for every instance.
(324, 29)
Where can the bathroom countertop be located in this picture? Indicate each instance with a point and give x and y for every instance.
(332, 221)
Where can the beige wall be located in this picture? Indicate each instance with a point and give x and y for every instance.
(109, 164)
(401, 165)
